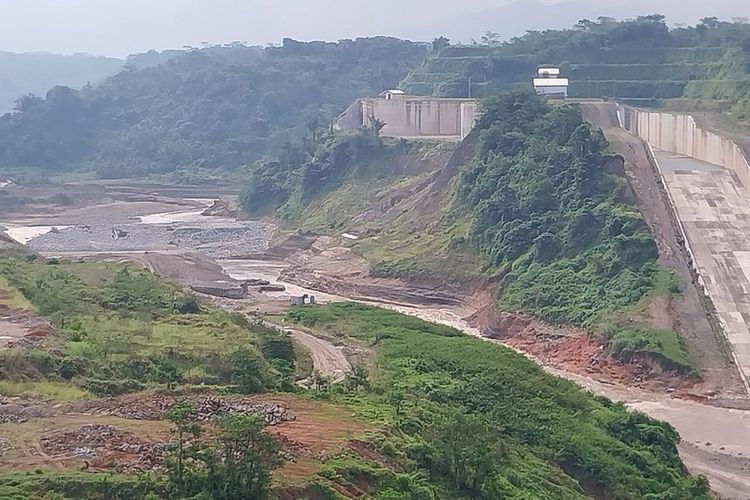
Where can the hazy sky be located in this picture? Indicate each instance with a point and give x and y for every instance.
(120, 27)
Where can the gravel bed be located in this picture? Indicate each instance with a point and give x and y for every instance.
(225, 240)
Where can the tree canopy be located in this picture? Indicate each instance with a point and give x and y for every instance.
(219, 106)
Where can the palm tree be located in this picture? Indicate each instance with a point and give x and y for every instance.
(313, 125)
(376, 125)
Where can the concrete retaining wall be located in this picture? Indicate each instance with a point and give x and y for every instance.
(681, 134)
(411, 116)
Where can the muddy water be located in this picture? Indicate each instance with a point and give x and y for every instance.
(189, 216)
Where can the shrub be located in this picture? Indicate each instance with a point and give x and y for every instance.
(104, 388)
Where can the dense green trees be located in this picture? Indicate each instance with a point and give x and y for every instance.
(549, 218)
(36, 73)
(216, 107)
(291, 181)
(641, 59)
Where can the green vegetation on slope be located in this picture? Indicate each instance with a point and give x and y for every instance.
(640, 59)
(545, 212)
(533, 206)
(559, 229)
(364, 184)
(470, 419)
(300, 174)
(216, 107)
(123, 330)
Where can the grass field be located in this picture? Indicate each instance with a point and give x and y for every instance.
(62, 391)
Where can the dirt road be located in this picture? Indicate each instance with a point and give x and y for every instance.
(328, 359)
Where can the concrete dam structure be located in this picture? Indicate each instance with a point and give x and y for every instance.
(707, 180)
(412, 116)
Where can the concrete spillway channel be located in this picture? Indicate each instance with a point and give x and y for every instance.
(707, 179)
(714, 211)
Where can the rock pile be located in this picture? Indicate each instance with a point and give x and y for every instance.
(13, 419)
(207, 408)
(220, 208)
(17, 410)
(106, 443)
(144, 407)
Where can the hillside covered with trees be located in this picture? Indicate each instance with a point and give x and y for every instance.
(642, 60)
(214, 107)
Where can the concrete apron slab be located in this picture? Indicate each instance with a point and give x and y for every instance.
(712, 207)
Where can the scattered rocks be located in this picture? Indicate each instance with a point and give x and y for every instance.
(5, 445)
(209, 408)
(13, 419)
(17, 410)
(84, 452)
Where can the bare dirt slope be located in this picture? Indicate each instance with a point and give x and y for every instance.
(691, 314)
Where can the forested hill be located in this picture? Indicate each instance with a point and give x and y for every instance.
(214, 107)
(642, 59)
